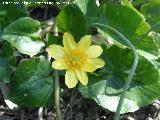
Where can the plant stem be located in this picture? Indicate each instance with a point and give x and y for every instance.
(57, 89)
(132, 70)
(71, 104)
(40, 113)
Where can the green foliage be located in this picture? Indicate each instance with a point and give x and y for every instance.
(106, 89)
(71, 19)
(32, 83)
(10, 13)
(151, 44)
(126, 19)
(151, 11)
(22, 35)
(52, 39)
(88, 7)
(4, 70)
(30, 78)
(7, 61)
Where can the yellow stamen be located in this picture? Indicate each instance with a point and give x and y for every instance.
(75, 58)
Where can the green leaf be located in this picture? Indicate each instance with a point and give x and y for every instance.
(107, 88)
(150, 44)
(6, 50)
(25, 44)
(10, 13)
(88, 7)
(32, 83)
(4, 70)
(1, 32)
(151, 11)
(52, 39)
(124, 18)
(7, 61)
(109, 102)
(139, 2)
(23, 26)
(72, 20)
(22, 34)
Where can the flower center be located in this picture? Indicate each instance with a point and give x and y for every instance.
(75, 59)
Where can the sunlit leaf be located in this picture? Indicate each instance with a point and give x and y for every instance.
(32, 84)
(22, 34)
(72, 20)
(126, 19)
(151, 11)
(107, 88)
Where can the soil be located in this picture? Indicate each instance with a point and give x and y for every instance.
(77, 108)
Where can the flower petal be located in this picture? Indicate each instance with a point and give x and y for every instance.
(89, 67)
(55, 51)
(59, 64)
(85, 42)
(68, 41)
(94, 51)
(97, 62)
(93, 64)
(82, 77)
(71, 79)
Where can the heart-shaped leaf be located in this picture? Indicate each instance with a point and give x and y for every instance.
(107, 88)
(126, 19)
(72, 20)
(32, 84)
(22, 34)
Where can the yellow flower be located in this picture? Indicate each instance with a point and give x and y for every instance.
(76, 58)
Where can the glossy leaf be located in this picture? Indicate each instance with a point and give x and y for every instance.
(107, 88)
(4, 69)
(25, 44)
(22, 34)
(72, 20)
(52, 39)
(32, 84)
(150, 44)
(151, 11)
(88, 7)
(10, 13)
(23, 26)
(124, 18)
(7, 61)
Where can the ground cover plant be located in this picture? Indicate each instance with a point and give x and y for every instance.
(106, 51)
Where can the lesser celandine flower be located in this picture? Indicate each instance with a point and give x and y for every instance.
(76, 58)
